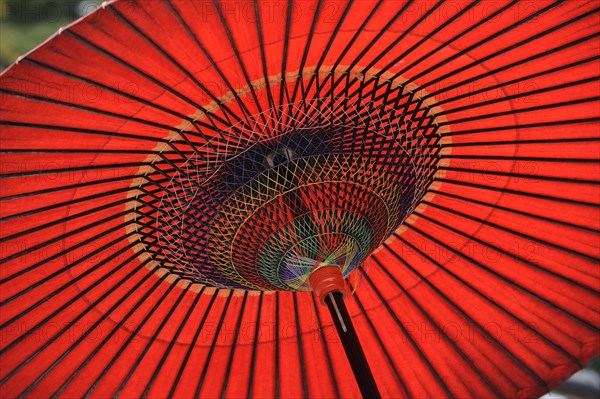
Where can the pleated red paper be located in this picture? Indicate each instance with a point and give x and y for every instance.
(489, 289)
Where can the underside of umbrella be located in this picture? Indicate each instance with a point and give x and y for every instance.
(178, 176)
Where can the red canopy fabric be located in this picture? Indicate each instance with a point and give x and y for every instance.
(490, 288)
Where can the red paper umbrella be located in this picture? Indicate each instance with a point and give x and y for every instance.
(178, 176)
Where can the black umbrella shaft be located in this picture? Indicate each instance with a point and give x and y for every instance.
(354, 352)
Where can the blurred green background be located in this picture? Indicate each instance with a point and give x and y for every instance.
(24, 24)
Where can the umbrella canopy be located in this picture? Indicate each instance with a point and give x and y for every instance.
(173, 172)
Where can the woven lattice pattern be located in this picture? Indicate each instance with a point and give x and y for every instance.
(322, 180)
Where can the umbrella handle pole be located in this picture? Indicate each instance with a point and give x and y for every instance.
(328, 285)
(356, 356)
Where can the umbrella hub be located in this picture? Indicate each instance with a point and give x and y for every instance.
(317, 181)
(326, 279)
